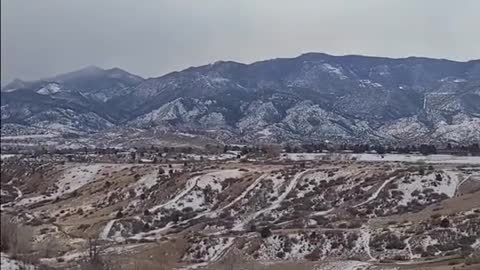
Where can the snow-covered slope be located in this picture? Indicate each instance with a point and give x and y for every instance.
(313, 97)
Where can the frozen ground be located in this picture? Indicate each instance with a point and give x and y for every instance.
(344, 265)
(10, 264)
(7, 156)
(387, 157)
(72, 179)
(325, 211)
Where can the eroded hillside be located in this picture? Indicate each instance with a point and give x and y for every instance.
(320, 214)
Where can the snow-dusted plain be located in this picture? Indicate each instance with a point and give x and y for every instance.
(450, 159)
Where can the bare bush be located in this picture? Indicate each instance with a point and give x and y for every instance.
(15, 239)
(474, 258)
(95, 259)
(272, 150)
(49, 248)
(231, 262)
(7, 229)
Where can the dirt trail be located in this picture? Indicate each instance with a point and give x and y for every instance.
(188, 187)
(241, 196)
(274, 205)
(375, 194)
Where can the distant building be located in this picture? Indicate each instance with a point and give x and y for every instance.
(146, 160)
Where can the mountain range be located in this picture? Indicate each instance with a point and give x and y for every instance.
(310, 98)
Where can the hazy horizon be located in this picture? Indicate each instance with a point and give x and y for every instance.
(168, 36)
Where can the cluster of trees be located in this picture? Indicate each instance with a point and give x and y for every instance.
(227, 148)
(473, 148)
(309, 148)
(265, 150)
(425, 149)
(42, 150)
(163, 150)
(16, 241)
(355, 148)
(14, 238)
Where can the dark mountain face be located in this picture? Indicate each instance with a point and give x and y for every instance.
(94, 82)
(313, 97)
(69, 102)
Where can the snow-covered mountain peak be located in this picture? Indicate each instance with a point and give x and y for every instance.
(49, 89)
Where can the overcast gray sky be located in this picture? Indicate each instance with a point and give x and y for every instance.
(40, 38)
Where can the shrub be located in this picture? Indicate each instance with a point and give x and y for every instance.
(445, 223)
(187, 209)
(265, 232)
(354, 224)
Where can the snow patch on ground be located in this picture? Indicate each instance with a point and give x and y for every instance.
(386, 158)
(343, 265)
(145, 182)
(241, 196)
(72, 179)
(476, 245)
(10, 264)
(188, 187)
(106, 230)
(418, 183)
(7, 156)
(364, 243)
(186, 134)
(375, 194)
(215, 179)
(192, 195)
(208, 250)
(280, 198)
